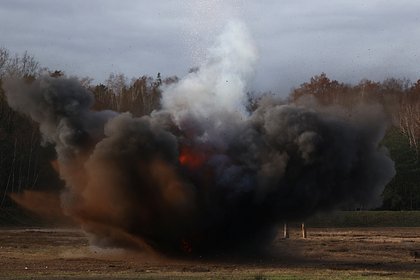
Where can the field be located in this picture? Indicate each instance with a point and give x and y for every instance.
(327, 253)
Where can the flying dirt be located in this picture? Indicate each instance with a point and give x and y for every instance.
(203, 175)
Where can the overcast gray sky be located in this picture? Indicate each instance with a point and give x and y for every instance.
(349, 40)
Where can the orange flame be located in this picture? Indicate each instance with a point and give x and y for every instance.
(191, 159)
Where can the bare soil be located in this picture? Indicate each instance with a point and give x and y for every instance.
(345, 253)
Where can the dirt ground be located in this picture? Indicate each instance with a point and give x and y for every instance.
(352, 253)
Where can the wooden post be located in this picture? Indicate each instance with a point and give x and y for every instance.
(304, 235)
(285, 231)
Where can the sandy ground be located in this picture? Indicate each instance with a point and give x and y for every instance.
(352, 253)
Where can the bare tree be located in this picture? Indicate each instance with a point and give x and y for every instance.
(23, 66)
(4, 58)
(28, 65)
(86, 82)
(409, 115)
(117, 83)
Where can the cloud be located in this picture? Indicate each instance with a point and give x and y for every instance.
(348, 40)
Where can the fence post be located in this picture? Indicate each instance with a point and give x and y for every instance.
(285, 231)
(304, 234)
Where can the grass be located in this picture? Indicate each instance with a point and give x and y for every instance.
(228, 277)
(245, 276)
(366, 219)
(15, 217)
(65, 254)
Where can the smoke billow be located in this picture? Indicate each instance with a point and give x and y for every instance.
(202, 175)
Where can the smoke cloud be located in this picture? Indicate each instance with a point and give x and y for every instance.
(202, 175)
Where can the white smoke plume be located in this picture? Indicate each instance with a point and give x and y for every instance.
(219, 84)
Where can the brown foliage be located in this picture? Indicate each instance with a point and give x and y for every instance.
(399, 98)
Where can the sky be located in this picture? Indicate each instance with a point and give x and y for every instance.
(348, 40)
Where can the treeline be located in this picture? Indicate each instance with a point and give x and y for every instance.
(140, 96)
(400, 99)
(25, 164)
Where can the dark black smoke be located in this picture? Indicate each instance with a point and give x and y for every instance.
(160, 183)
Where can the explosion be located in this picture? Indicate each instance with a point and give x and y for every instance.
(202, 175)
